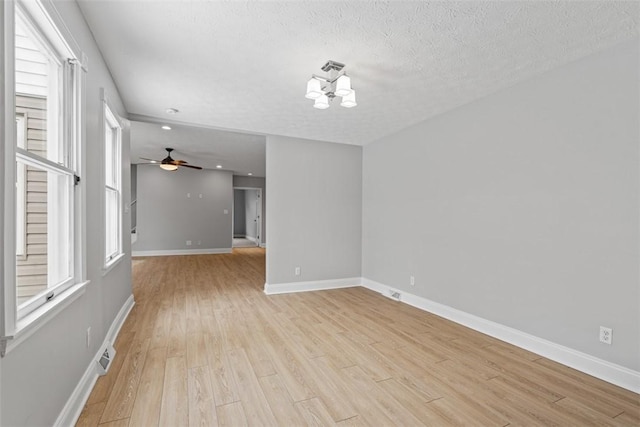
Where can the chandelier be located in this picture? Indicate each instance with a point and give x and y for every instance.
(323, 89)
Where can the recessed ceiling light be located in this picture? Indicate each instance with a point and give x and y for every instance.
(219, 166)
(249, 174)
(172, 110)
(165, 127)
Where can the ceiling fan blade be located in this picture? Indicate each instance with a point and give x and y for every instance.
(151, 160)
(189, 166)
(180, 162)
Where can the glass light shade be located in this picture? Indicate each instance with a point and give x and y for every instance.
(168, 167)
(314, 89)
(322, 103)
(343, 85)
(349, 100)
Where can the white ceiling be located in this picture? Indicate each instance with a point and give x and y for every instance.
(243, 65)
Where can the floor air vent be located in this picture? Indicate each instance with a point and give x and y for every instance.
(104, 362)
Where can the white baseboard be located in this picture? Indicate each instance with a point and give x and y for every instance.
(607, 371)
(170, 252)
(263, 245)
(317, 285)
(72, 409)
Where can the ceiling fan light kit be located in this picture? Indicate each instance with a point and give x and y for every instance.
(169, 164)
(323, 89)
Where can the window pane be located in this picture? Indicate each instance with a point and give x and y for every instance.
(112, 218)
(47, 261)
(21, 190)
(109, 176)
(38, 82)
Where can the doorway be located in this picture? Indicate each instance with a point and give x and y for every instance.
(247, 217)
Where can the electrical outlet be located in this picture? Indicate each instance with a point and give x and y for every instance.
(412, 280)
(199, 242)
(297, 271)
(188, 242)
(89, 337)
(606, 334)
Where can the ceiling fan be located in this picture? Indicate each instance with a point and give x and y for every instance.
(168, 163)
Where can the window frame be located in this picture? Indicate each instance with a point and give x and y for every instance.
(111, 120)
(17, 325)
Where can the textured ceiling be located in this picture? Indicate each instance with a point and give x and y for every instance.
(240, 153)
(243, 65)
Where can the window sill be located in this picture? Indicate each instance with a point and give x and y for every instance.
(111, 264)
(29, 324)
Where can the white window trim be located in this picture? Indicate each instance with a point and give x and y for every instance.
(110, 118)
(39, 317)
(14, 331)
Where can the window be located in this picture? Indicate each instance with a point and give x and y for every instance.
(43, 184)
(112, 186)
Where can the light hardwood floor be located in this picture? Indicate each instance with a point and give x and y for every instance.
(204, 346)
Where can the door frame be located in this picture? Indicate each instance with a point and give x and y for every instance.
(259, 214)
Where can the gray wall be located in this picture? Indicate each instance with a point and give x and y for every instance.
(239, 224)
(255, 182)
(39, 375)
(521, 208)
(314, 211)
(251, 212)
(167, 217)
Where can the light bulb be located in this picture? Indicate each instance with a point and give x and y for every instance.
(322, 103)
(343, 85)
(314, 89)
(168, 166)
(349, 101)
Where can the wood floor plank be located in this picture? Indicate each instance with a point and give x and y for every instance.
(380, 398)
(281, 403)
(314, 412)
(231, 415)
(117, 423)
(205, 346)
(411, 401)
(175, 405)
(196, 349)
(146, 408)
(91, 415)
(255, 404)
(332, 389)
(177, 344)
(224, 388)
(123, 394)
(202, 407)
(289, 364)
